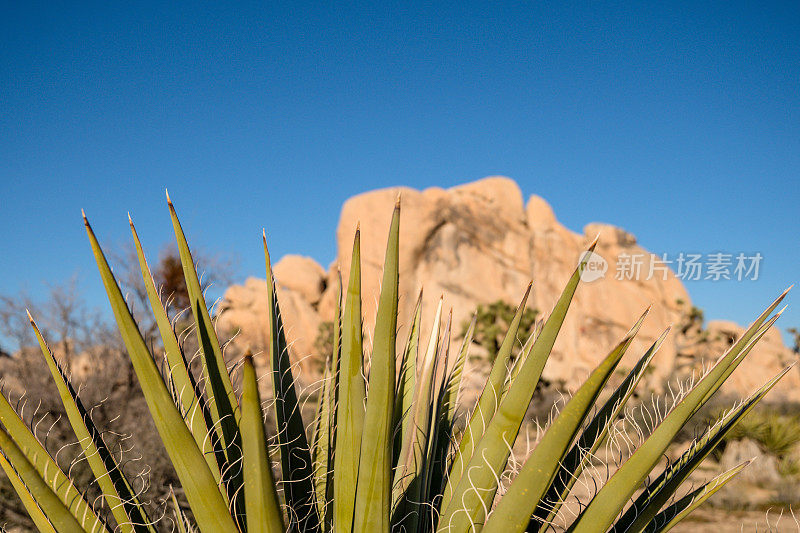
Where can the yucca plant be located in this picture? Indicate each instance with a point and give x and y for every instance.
(386, 452)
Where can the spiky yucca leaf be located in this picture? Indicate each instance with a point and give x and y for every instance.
(444, 425)
(742, 342)
(332, 386)
(666, 519)
(190, 396)
(438, 439)
(374, 488)
(208, 504)
(574, 461)
(411, 466)
(350, 407)
(38, 516)
(294, 449)
(223, 407)
(485, 408)
(261, 500)
(406, 385)
(117, 490)
(607, 503)
(48, 469)
(19, 469)
(181, 523)
(659, 491)
(453, 383)
(534, 479)
(473, 493)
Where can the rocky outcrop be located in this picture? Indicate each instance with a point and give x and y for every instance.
(479, 243)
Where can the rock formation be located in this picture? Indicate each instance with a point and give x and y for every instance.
(479, 243)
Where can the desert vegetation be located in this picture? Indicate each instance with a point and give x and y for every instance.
(383, 451)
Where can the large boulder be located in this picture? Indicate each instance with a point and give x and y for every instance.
(479, 243)
(302, 275)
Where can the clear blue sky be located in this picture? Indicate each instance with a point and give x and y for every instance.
(680, 123)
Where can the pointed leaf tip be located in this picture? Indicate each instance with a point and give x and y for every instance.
(30, 318)
(594, 242)
(83, 214)
(169, 201)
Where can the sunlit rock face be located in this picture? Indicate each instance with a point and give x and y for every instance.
(479, 243)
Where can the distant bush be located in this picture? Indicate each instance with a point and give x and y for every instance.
(778, 434)
(492, 322)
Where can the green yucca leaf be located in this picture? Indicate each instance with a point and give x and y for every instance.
(520, 359)
(321, 444)
(520, 500)
(486, 406)
(439, 436)
(414, 451)
(18, 468)
(180, 519)
(350, 408)
(665, 520)
(188, 391)
(296, 465)
(415, 444)
(453, 383)
(437, 402)
(48, 469)
(406, 384)
(445, 419)
(223, 408)
(472, 494)
(117, 490)
(374, 487)
(35, 512)
(747, 336)
(222, 404)
(574, 461)
(332, 387)
(261, 500)
(208, 505)
(606, 504)
(662, 488)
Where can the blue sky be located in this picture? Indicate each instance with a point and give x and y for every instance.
(680, 123)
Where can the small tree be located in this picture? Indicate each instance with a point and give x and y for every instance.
(492, 322)
(795, 333)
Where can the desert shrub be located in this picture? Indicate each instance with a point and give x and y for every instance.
(778, 434)
(492, 322)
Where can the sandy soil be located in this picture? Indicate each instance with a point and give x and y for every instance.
(711, 520)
